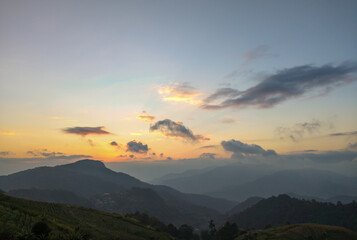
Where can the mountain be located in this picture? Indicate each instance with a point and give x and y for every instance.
(214, 179)
(280, 210)
(306, 182)
(244, 205)
(19, 216)
(305, 231)
(53, 196)
(90, 179)
(175, 211)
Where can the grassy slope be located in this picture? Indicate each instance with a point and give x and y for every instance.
(306, 231)
(20, 214)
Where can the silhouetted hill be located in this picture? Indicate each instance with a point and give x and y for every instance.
(306, 182)
(210, 180)
(172, 210)
(18, 216)
(244, 205)
(88, 178)
(277, 211)
(54, 196)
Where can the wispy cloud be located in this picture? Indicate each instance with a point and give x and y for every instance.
(287, 84)
(180, 92)
(169, 128)
(299, 130)
(145, 116)
(259, 52)
(353, 133)
(83, 131)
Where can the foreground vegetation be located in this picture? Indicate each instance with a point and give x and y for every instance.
(26, 220)
(22, 219)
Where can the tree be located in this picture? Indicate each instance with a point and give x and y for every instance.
(211, 228)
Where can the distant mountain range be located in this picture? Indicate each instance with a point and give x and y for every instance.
(282, 210)
(239, 182)
(90, 183)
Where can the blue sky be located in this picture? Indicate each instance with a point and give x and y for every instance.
(102, 63)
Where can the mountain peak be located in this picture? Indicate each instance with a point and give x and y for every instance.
(87, 165)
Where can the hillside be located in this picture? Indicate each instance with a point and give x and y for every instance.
(18, 216)
(300, 232)
(88, 180)
(278, 211)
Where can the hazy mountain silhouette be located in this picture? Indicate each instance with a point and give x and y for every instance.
(310, 182)
(244, 205)
(214, 179)
(91, 179)
(277, 211)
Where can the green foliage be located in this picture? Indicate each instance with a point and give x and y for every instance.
(28, 220)
(299, 232)
(278, 211)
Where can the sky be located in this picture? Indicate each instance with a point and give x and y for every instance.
(147, 81)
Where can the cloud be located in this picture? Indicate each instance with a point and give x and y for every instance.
(180, 92)
(83, 131)
(208, 146)
(227, 120)
(161, 155)
(298, 130)
(173, 129)
(52, 156)
(240, 149)
(343, 134)
(257, 53)
(208, 155)
(144, 116)
(169, 158)
(222, 93)
(286, 84)
(114, 143)
(44, 153)
(5, 153)
(136, 147)
(328, 156)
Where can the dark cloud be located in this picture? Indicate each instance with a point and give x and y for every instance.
(288, 83)
(208, 146)
(240, 149)
(131, 156)
(298, 130)
(208, 155)
(4, 153)
(169, 158)
(154, 154)
(222, 93)
(161, 154)
(83, 131)
(137, 147)
(44, 153)
(170, 128)
(114, 143)
(343, 134)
